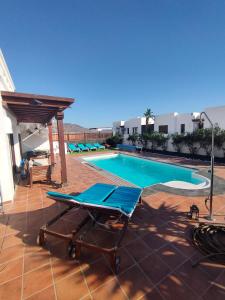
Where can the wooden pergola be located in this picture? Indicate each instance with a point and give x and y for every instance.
(31, 108)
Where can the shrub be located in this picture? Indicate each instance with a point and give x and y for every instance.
(200, 138)
(219, 137)
(205, 140)
(192, 141)
(133, 138)
(114, 140)
(143, 139)
(178, 141)
(158, 140)
(161, 140)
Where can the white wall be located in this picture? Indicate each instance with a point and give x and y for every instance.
(217, 116)
(8, 125)
(173, 120)
(6, 175)
(36, 141)
(166, 119)
(135, 122)
(39, 141)
(117, 127)
(186, 118)
(56, 147)
(6, 82)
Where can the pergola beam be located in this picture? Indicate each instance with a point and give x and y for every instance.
(59, 118)
(55, 104)
(38, 109)
(51, 143)
(36, 96)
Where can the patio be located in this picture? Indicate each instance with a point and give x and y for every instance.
(156, 255)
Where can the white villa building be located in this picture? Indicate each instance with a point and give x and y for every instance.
(172, 122)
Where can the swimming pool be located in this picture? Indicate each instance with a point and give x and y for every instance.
(145, 172)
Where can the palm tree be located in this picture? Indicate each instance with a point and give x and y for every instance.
(148, 114)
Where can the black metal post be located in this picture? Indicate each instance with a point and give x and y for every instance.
(210, 216)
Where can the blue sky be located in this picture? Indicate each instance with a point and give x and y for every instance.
(117, 57)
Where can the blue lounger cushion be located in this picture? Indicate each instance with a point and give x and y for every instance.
(124, 198)
(100, 195)
(97, 193)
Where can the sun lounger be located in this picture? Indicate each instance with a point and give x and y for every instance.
(98, 146)
(82, 147)
(91, 147)
(99, 200)
(73, 148)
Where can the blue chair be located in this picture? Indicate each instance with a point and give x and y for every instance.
(91, 147)
(73, 148)
(98, 146)
(82, 147)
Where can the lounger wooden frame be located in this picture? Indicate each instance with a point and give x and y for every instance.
(75, 244)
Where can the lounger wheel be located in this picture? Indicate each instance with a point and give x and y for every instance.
(117, 264)
(71, 250)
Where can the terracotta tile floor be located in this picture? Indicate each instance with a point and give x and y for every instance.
(156, 255)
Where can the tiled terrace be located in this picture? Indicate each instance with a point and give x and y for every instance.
(156, 255)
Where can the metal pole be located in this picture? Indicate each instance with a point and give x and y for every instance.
(210, 216)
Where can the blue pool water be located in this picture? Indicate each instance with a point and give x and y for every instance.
(143, 172)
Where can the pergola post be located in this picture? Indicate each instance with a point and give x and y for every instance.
(59, 118)
(51, 143)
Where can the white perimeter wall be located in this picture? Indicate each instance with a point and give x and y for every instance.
(36, 141)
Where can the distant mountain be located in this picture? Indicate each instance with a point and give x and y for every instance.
(69, 128)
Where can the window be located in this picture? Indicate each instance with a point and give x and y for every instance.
(182, 128)
(122, 129)
(128, 132)
(163, 128)
(147, 129)
(135, 130)
(151, 127)
(200, 125)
